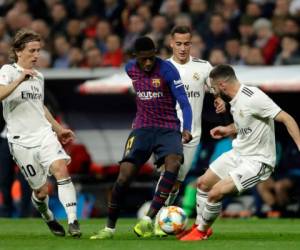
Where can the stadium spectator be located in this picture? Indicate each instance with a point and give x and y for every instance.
(136, 28)
(253, 156)
(232, 51)
(61, 51)
(199, 14)
(266, 40)
(74, 32)
(217, 56)
(217, 33)
(254, 57)
(93, 58)
(290, 51)
(103, 30)
(113, 57)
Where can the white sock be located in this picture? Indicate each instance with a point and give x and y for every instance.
(42, 207)
(201, 198)
(112, 230)
(210, 213)
(67, 197)
(145, 217)
(172, 197)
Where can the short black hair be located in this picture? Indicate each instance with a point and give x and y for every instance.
(181, 30)
(224, 71)
(143, 43)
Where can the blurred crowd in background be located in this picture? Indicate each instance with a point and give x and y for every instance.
(100, 33)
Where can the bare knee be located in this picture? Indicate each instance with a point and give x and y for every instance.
(172, 163)
(59, 170)
(126, 174)
(42, 192)
(203, 184)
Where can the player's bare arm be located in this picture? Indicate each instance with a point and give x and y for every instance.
(6, 90)
(63, 134)
(223, 131)
(291, 125)
(186, 136)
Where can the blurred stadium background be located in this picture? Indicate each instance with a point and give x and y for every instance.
(87, 42)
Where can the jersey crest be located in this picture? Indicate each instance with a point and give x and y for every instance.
(196, 76)
(156, 82)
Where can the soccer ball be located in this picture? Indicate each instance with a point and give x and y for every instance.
(172, 219)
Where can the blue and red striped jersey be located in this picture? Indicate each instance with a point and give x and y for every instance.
(156, 96)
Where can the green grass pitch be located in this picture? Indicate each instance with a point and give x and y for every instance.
(240, 234)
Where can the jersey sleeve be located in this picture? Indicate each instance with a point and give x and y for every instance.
(177, 88)
(5, 78)
(263, 106)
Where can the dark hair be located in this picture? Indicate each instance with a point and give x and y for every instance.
(21, 38)
(143, 43)
(181, 30)
(223, 71)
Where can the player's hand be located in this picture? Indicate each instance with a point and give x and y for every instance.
(186, 136)
(219, 105)
(218, 132)
(65, 136)
(26, 74)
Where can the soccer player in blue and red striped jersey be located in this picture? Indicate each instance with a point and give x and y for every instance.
(156, 129)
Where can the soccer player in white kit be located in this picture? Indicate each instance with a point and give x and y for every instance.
(194, 73)
(253, 156)
(33, 133)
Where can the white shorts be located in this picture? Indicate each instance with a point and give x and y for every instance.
(245, 172)
(189, 153)
(35, 162)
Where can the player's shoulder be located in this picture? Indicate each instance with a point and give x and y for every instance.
(166, 65)
(198, 60)
(201, 64)
(252, 95)
(39, 74)
(251, 91)
(8, 68)
(130, 64)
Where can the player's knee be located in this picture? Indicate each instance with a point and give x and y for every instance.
(59, 170)
(172, 163)
(41, 193)
(202, 184)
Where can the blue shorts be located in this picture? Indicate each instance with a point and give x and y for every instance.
(142, 142)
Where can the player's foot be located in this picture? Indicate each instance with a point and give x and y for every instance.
(103, 234)
(185, 232)
(158, 231)
(196, 234)
(56, 228)
(144, 228)
(74, 229)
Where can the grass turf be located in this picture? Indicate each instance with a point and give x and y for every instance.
(252, 234)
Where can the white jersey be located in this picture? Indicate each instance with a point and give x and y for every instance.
(194, 74)
(253, 115)
(23, 109)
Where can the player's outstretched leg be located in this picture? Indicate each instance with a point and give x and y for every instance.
(144, 228)
(42, 206)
